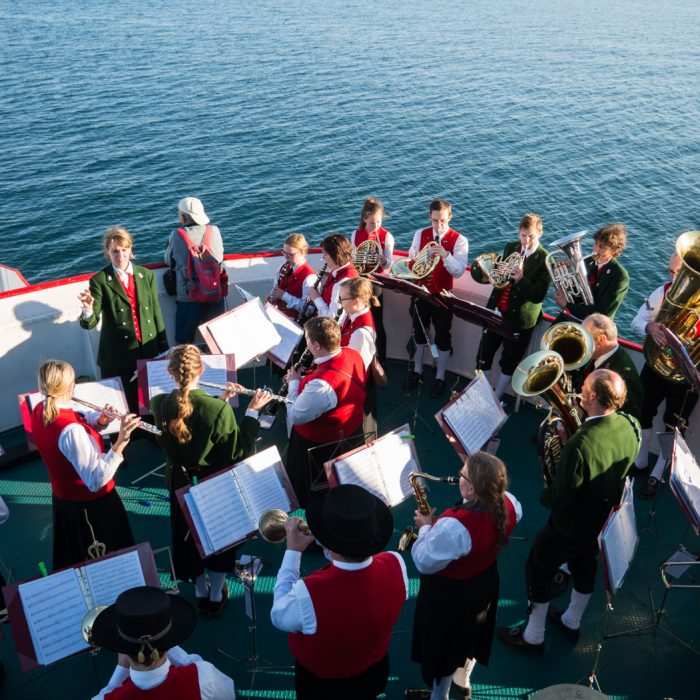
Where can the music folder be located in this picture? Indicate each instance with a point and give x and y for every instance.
(290, 334)
(382, 467)
(685, 481)
(46, 612)
(224, 509)
(478, 315)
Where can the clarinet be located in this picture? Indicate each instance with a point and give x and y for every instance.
(284, 271)
(304, 313)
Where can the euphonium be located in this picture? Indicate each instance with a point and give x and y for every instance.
(409, 535)
(497, 269)
(366, 256)
(567, 269)
(272, 526)
(680, 311)
(420, 267)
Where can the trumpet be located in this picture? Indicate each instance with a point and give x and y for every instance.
(244, 391)
(272, 526)
(115, 414)
(366, 256)
(284, 271)
(567, 268)
(420, 267)
(499, 269)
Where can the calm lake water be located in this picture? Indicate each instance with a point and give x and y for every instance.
(282, 116)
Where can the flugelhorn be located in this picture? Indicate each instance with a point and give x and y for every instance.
(420, 267)
(567, 268)
(116, 415)
(499, 270)
(245, 392)
(365, 257)
(272, 526)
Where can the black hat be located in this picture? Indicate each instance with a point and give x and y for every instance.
(351, 521)
(142, 620)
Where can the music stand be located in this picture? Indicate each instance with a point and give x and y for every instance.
(320, 454)
(666, 441)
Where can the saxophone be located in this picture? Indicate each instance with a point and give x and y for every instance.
(409, 535)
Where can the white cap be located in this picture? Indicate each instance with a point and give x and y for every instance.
(194, 208)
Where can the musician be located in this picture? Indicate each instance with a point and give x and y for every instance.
(145, 626)
(456, 554)
(370, 228)
(86, 506)
(336, 251)
(327, 403)
(295, 278)
(190, 314)
(358, 332)
(680, 397)
(588, 482)
(520, 302)
(607, 279)
(200, 437)
(340, 618)
(453, 250)
(125, 297)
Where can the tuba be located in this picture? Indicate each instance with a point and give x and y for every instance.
(680, 311)
(497, 269)
(366, 256)
(420, 268)
(572, 341)
(567, 268)
(543, 374)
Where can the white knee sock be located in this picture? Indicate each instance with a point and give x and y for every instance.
(642, 460)
(200, 586)
(534, 632)
(418, 358)
(658, 470)
(462, 676)
(443, 358)
(218, 581)
(579, 601)
(441, 690)
(503, 383)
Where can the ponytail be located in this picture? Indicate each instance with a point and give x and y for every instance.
(54, 379)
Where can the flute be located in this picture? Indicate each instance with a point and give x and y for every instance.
(245, 392)
(114, 414)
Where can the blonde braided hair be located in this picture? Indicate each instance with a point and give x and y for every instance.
(184, 367)
(54, 379)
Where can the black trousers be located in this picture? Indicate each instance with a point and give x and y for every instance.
(378, 318)
(440, 318)
(680, 399)
(549, 551)
(513, 350)
(364, 686)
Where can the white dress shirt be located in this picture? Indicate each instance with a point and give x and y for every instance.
(213, 685)
(647, 311)
(455, 262)
(440, 544)
(317, 398)
(307, 285)
(388, 250)
(292, 608)
(599, 360)
(362, 339)
(330, 310)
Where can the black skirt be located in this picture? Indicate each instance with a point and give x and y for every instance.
(71, 532)
(186, 559)
(454, 621)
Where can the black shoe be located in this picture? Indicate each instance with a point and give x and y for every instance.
(217, 607)
(638, 471)
(650, 489)
(460, 691)
(411, 382)
(203, 604)
(560, 583)
(554, 614)
(417, 693)
(513, 637)
(438, 388)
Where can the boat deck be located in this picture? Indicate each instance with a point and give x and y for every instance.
(648, 665)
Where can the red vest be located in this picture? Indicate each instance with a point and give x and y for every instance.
(484, 541)
(355, 613)
(181, 683)
(349, 327)
(379, 235)
(347, 376)
(293, 284)
(346, 272)
(65, 482)
(131, 293)
(440, 279)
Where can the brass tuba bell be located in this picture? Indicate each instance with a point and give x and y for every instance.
(271, 526)
(572, 341)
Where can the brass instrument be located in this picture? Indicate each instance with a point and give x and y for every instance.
(420, 268)
(304, 314)
(89, 621)
(244, 391)
(567, 268)
(499, 270)
(116, 415)
(366, 256)
(283, 272)
(271, 526)
(680, 311)
(572, 341)
(409, 535)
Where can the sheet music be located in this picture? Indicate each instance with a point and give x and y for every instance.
(54, 607)
(160, 381)
(685, 479)
(619, 538)
(246, 332)
(289, 331)
(475, 416)
(261, 486)
(198, 524)
(222, 510)
(107, 579)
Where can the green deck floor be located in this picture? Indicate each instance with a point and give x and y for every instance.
(650, 665)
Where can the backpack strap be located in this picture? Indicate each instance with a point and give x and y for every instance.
(188, 241)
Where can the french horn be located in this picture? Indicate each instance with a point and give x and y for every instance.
(421, 267)
(567, 269)
(365, 257)
(497, 269)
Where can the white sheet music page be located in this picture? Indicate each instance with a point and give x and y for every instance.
(261, 486)
(160, 381)
(246, 332)
(54, 607)
(619, 538)
(685, 477)
(290, 334)
(107, 579)
(222, 510)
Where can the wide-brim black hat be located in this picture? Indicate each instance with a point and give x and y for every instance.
(140, 613)
(351, 521)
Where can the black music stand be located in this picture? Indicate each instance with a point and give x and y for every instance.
(666, 440)
(478, 315)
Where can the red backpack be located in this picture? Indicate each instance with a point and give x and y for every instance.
(207, 281)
